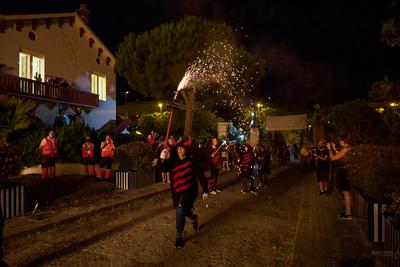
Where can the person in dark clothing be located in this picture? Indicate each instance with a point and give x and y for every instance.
(342, 180)
(60, 120)
(184, 188)
(77, 118)
(215, 160)
(322, 166)
(246, 167)
(2, 262)
(264, 165)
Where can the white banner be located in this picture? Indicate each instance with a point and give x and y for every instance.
(287, 123)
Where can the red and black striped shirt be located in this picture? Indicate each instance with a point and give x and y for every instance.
(182, 174)
(247, 159)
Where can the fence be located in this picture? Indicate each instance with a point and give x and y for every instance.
(369, 216)
(378, 228)
(392, 244)
(134, 179)
(12, 199)
(18, 86)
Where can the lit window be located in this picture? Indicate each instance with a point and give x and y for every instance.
(99, 86)
(30, 65)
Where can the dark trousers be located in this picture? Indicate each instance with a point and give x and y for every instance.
(2, 262)
(181, 213)
(213, 181)
(246, 176)
(263, 178)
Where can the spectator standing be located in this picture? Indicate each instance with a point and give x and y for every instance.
(295, 151)
(107, 155)
(215, 163)
(342, 179)
(152, 138)
(60, 120)
(304, 158)
(322, 166)
(264, 165)
(77, 118)
(225, 158)
(38, 77)
(184, 187)
(88, 157)
(165, 164)
(246, 168)
(48, 146)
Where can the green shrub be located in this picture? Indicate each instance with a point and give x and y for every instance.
(27, 142)
(375, 170)
(10, 159)
(136, 156)
(70, 140)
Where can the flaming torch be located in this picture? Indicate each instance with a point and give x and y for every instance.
(183, 83)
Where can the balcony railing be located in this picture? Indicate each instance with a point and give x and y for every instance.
(22, 87)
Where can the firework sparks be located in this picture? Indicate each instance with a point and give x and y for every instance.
(220, 70)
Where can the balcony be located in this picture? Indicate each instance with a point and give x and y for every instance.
(21, 87)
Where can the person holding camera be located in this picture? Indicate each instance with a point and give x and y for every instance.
(107, 155)
(342, 179)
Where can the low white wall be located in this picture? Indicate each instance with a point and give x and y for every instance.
(64, 169)
(61, 169)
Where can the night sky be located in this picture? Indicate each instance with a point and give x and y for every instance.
(326, 51)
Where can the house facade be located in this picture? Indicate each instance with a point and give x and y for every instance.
(57, 60)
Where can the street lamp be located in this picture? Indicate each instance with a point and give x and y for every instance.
(126, 96)
(160, 106)
(259, 106)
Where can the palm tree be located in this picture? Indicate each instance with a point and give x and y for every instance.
(14, 115)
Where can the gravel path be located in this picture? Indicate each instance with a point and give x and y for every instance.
(236, 230)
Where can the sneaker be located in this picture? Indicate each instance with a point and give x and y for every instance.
(243, 192)
(179, 242)
(253, 192)
(218, 191)
(345, 217)
(195, 222)
(213, 192)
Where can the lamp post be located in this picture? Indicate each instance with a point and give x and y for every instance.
(259, 106)
(126, 96)
(160, 106)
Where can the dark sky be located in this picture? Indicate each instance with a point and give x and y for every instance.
(326, 51)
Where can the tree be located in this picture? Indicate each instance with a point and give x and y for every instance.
(390, 32)
(14, 115)
(204, 125)
(357, 118)
(154, 62)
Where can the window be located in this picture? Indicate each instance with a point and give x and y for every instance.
(30, 64)
(99, 86)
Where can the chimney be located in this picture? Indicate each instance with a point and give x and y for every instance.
(83, 12)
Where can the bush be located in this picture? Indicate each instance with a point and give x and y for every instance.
(136, 156)
(27, 142)
(392, 211)
(70, 139)
(375, 170)
(11, 162)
